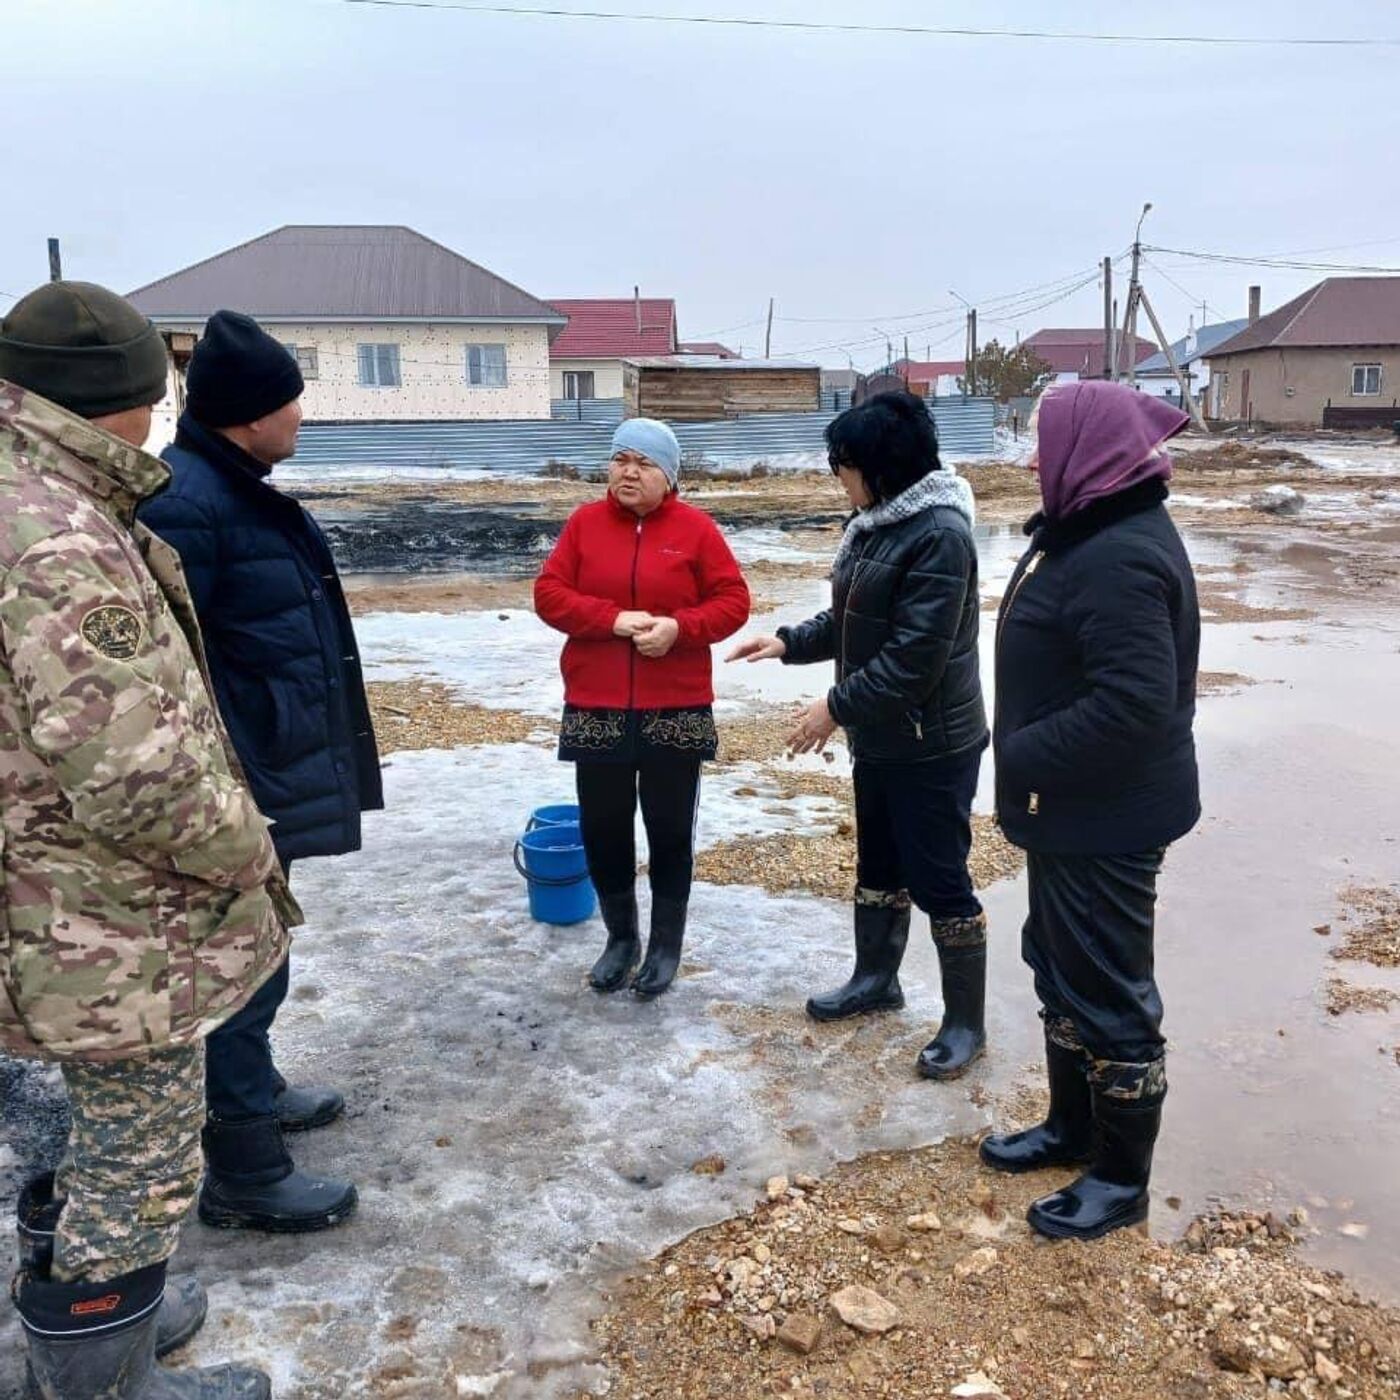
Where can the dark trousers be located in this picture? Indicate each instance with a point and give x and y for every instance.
(1088, 939)
(670, 794)
(238, 1070)
(914, 831)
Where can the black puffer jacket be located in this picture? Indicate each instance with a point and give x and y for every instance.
(281, 647)
(1096, 654)
(902, 630)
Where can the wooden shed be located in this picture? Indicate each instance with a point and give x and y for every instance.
(701, 388)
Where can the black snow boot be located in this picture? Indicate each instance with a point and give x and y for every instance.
(253, 1184)
(183, 1306)
(1113, 1192)
(301, 1107)
(962, 961)
(882, 934)
(624, 946)
(96, 1341)
(1066, 1137)
(663, 957)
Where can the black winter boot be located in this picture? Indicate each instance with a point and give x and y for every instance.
(96, 1341)
(1113, 1192)
(882, 934)
(253, 1184)
(1066, 1137)
(962, 961)
(301, 1107)
(663, 957)
(182, 1308)
(624, 946)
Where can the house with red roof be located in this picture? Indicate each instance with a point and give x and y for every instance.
(585, 359)
(1330, 357)
(931, 378)
(1075, 353)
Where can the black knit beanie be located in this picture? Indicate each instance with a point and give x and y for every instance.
(238, 373)
(84, 348)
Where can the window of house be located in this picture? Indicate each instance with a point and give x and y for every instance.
(379, 366)
(1365, 379)
(486, 366)
(307, 361)
(578, 384)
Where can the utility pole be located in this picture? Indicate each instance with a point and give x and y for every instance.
(906, 349)
(55, 262)
(1134, 293)
(1110, 368)
(768, 336)
(1187, 402)
(972, 336)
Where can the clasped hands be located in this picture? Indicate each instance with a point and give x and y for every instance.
(652, 636)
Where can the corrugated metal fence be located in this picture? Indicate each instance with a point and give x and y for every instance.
(965, 427)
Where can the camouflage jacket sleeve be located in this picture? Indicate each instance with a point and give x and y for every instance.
(117, 707)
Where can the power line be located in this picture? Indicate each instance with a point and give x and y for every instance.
(852, 27)
(1189, 295)
(1283, 263)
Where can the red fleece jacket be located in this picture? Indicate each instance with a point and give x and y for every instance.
(672, 563)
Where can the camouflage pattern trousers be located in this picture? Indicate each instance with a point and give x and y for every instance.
(133, 1162)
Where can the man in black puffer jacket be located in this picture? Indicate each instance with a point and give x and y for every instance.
(902, 630)
(287, 679)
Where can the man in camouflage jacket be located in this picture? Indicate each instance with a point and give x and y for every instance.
(141, 901)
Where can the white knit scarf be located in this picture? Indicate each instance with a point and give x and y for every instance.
(940, 488)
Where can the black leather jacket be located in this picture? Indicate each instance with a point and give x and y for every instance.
(902, 629)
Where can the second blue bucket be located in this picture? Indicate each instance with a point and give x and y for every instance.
(552, 861)
(561, 814)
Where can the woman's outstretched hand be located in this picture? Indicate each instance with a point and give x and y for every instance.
(814, 728)
(628, 624)
(759, 649)
(657, 637)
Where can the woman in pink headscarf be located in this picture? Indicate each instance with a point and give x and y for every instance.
(1096, 775)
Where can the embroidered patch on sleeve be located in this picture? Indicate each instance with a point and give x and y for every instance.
(113, 630)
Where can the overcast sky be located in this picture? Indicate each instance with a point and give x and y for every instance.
(855, 178)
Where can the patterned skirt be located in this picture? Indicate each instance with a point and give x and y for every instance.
(637, 736)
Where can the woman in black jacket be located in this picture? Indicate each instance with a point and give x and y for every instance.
(1096, 775)
(902, 630)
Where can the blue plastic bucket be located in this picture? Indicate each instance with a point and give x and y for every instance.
(551, 860)
(561, 814)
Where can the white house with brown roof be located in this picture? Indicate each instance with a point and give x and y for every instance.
(387, 325)
(1330, 357)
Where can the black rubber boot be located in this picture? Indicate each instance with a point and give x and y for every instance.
(1113, 1192)
(624, 946)
(962, 961)
(253, 1184)
(96, 1341)
(184, 1305)
(1066, 1137)
(882, 934)
(663, 957)
(301, 1107)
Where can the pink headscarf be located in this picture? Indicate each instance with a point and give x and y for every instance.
(1097, 439)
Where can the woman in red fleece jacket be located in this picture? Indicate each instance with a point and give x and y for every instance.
(643, 585)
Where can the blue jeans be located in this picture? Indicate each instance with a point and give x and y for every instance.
(238, 1056)
(914, 831)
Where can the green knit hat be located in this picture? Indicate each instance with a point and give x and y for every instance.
(84, 348)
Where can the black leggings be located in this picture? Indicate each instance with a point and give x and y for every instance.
(607, 798)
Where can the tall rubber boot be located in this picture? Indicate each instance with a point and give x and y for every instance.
(96, 1341)
(962, 962)
(1114, 1191)
(624, 946)
(882, 934)
(663, 957)
(253, 1184)
(301, 1107)
(184, 1305)
(1066, 1137)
